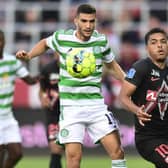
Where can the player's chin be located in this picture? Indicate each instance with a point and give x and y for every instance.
(88, 33)
(161, 59)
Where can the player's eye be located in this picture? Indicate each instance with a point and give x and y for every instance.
(163, 41)
(153, 42)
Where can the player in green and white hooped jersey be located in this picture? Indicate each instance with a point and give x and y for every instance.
(10, 138)
(81, 101)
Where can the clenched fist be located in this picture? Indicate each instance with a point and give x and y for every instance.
(23, 55)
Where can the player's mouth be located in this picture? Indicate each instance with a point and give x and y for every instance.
(161, 52)
(88, 31)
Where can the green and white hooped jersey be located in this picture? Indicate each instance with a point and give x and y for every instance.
(10, 67)
(80, 91)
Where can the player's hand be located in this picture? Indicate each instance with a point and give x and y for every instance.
(23, 55)
(142, 115)
(45, 101)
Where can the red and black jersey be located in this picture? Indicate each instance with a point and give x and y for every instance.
(49, 78)
(152, 91)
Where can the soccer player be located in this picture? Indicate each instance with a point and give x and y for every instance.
(145, 93)
(10, 138)
(49, 98)
(82, 104)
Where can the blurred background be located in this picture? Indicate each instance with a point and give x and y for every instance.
(123, 21)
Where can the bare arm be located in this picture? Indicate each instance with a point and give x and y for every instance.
(115, 70)
(44, 99)
(37, 50)
(126, 91)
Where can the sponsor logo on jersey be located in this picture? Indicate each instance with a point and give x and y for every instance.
(153, 79)
(96, 49)
(131, 73)
(155, 73)
(159, 98)
(151, 95)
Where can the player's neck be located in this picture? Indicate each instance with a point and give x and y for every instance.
(160, 64)
(81, 37)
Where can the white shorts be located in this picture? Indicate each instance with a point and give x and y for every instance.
(9, 131)
(96, 120)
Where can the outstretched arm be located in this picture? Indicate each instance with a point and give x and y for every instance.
(126, 91)
(37, 50)
(115, 70)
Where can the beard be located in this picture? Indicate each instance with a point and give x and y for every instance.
(161, 60)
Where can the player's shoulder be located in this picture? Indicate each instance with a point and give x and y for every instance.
(98, 35)
(9, 57)
(64, 32)
(144, 62)
(141, 66)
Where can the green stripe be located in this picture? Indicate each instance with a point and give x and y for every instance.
(66, 82)
(56, 38)
(76, 44)
(98, 55)
(8, 73)
(64, 55)
(7, 63)
(3, 106)
(3, 96)
(54, 45)
(107, 52)
(77, 96)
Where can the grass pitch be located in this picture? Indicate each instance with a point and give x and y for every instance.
(87, 162)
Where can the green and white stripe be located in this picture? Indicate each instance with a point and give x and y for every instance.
(75, 91)
(10, 67)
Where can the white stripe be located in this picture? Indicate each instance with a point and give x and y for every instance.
(4, 89)
(82, 102)
(87, 79)
(6, 112)
(72, 38)
(84, 89)
(6, 101)
(62, 60)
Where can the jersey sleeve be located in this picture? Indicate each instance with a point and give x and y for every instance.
(136, 73)
(51, 41)
(108, 55)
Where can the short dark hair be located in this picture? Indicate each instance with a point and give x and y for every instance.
(86, 8)
(153, 31)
